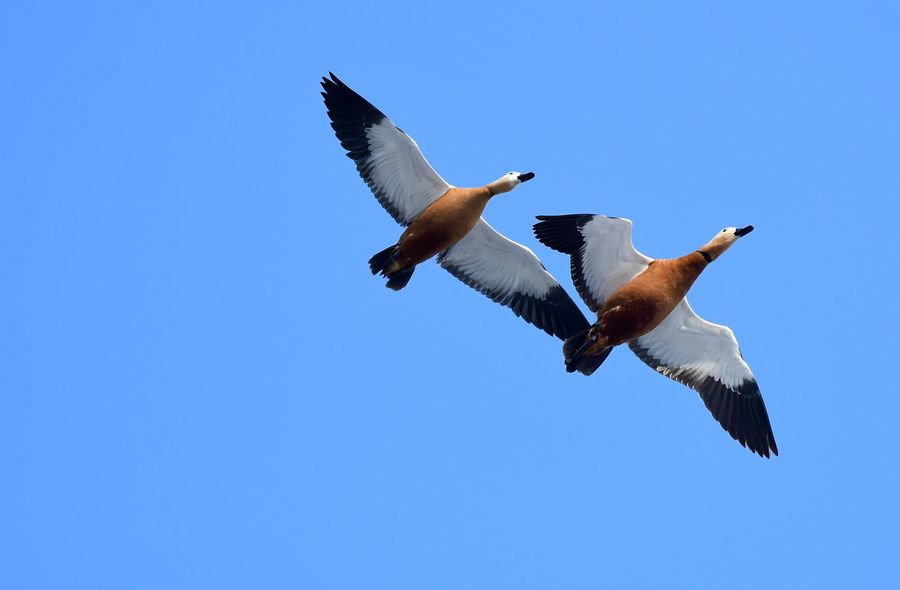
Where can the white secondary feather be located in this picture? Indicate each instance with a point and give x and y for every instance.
(685, 342)
(609, 259)
(497, 266)
(399, 174)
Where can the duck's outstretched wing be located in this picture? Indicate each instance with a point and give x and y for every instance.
(510, 274)
(706, 357)
(387, 159)
(603, 257)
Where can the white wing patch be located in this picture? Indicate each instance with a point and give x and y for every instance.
(399, 174)
(511, 274)
(498, 264)
(684, 342)
(706, 357)
(608, 258)
(387, 159)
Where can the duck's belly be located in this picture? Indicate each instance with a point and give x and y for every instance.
(631, 317)
(638, 307)
(440, 226)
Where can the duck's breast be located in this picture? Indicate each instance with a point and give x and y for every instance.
(442, 224)
(644, 302)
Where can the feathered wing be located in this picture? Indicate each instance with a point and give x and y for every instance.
(510, 274)
(387, 159)
(602, 255)
(706, 357)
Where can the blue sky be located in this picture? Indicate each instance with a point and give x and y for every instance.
(201, 385)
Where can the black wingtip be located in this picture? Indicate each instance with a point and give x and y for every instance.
(740, 411)
(561, 232)
(554, 312)
(337, 80)
(742, 414)
(351, 115)
(346, 108)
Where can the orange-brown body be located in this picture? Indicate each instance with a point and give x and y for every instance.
(441, 225)
(644, 302)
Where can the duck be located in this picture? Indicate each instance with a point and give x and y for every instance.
(641, 302)
(444, 220)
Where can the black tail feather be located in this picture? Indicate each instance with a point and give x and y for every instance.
(574, 349)
(383, 260)
(397, 280)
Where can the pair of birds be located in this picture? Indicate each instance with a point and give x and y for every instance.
(639, 301)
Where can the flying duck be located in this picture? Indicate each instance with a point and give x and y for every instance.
(641, 301)
(444, 220)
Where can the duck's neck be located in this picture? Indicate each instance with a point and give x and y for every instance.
(689, 268)
(501, 185)
(706, 256)
(713, 249)
(691, 265)
(475, 199)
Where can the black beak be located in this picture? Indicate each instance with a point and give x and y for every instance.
(528, 176)
(743, 231)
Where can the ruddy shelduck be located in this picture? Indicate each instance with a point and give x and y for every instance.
(444, 220)
(641, 302)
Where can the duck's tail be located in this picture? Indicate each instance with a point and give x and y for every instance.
(575, 350)
(382, 261)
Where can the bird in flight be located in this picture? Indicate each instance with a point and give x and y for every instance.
(641, 301)
(443, 220)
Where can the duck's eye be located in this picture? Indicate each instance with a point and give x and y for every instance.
(724, 230)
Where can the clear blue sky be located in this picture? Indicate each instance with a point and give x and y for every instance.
(201, 385)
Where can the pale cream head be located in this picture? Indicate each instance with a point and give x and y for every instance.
(724, 239)
(509, 181)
